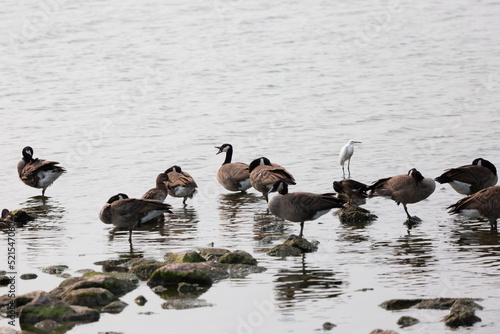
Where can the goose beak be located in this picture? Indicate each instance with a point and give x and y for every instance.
(218, 147)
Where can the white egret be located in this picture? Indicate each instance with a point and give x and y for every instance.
(346, 154)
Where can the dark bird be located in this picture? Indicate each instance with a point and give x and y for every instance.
(160, 192)
(300, 206)
(38, 173)
(264, 174)
(234, 176)
(469, 179)
(122, 211)
(180, 184)
(484, 203)
(355, 191)
(404, 189)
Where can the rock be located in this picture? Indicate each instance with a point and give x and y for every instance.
(144, 268)
(2, 272)
(212, 254)
(85, 271)
(183, 257)
(159, 289)
(436, 303)
(20, 216)
(381, 331)
(174, 273)
(117, 283)
(353, 214)
(7, 330)
(406, 321)
(115, 307)
(462, 313)
(4, 280)
(55, 270)
(28, 276)
(111, 263)
(269, 240)
(239, 270)
(284, 251)
(273, 227)
(328, 326)
(90, 297)
(238, 257)
(48, 325)
(184, 303)
(399, 304)
(187, 288)
(140, 300)
(301, 243)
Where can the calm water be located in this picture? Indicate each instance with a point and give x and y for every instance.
(118, 91)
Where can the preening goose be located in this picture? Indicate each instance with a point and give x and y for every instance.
(160, 192)
(122, 211)
(469, 179)
(485, 203)
(264, 174)
(300, 206)
(346, 154)
(404, 189)
(38, 173)
(180, 184)
(234, 176)
(355, 191)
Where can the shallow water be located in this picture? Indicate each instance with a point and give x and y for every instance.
(119, 91)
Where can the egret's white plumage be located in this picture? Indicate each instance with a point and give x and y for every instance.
(346, 154)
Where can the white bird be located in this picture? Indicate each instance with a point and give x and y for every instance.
(346, 154)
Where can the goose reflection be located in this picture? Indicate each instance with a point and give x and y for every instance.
(48, 213)
(303, 283)
(232, 204)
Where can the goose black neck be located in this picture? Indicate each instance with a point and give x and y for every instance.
(229, 156)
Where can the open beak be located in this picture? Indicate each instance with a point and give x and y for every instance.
(218, 147)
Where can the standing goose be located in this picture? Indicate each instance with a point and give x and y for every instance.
(345, 154)
(180, 184)
(404, 189)
(469, 179)
(122, 211)
(160, 192)
(38, 173)
(300, 206)
(355, 191)
(234, 176)
(264, 174)
(485, 203)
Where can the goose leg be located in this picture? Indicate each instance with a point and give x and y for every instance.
(410, 218)
(130, 235)
(493, 224)
(184, 201)
(301, 229)
(43, 192)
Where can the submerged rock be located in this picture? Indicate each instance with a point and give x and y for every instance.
(48, 325)
(406, 321)
(184, 303)
(144, 268)
(382, 331)
(353, 214)
(28, 276)
(238, 257)
(294, 246)
(213, 254)
(187, 288)
(55, 270)
(90, 297)
(174, 273)
(183, 257)
(284, 251)
(328, 326)
(399, 304)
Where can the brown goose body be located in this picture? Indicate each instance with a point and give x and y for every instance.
(234, 176)
(485, 203)
(471, 178)
(264, 174)
(122, 211)
(160, 192)
(38, 173)
(181, 183)
(301, 206)
(404, 189)
(355, 191)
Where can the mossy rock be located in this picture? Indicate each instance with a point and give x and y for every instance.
(117, 283)
(213, 254)
(184, 257)
(59, 312)
(238, 257)
(173, 278)
(90, 297)
(353, 214)
(114, 307)
(301, 243)
(284, 251)
(144, 269)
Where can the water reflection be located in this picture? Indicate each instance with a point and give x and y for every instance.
(44, 209)
(231, 205)
(301, 283)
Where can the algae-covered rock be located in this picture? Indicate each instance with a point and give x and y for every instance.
(406, 321)
(114, 307)
(90, 297)
(284, 251)
(353, 214)
(144, 268)
(117, 283)
(301, 243)
(238, 257)
(183, 257)
(213, 254)
(174, 273)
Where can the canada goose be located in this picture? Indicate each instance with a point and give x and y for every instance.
(485, 203)
(264, 174)
(354, 190)
(122, 211)
(469, 179)
(37, 173)
(404, 189)
(346, 154)
(160, 192)
(181, 184)
(234, 176)
(300, 206)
